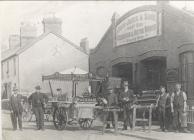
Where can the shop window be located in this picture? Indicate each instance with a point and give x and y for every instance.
(187, 72)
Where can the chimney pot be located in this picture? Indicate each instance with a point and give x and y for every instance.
(52, 24)
(28, 33)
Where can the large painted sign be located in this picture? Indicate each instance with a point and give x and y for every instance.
(139, 26)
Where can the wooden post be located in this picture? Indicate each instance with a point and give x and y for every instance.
(150, 117)
(115, 121)
(134, 117)
(104, 122)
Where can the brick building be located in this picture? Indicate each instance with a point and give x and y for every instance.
(149, 46)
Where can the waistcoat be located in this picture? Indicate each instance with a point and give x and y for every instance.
(162, 101)
(179, 100)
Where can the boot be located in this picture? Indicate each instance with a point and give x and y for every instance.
(185, 130)
(124, 127)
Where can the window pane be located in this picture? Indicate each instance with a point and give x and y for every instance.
(187, 72)
(190, 57)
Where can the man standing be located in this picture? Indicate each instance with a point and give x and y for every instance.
(112, 101)
(161, 104)
(178, 108)
(37, 100)
(127, 99)
(16, 109)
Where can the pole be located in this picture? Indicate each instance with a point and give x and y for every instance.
(51, 88)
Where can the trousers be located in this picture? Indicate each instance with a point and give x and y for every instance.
(110, 117)
(162, 118)
(179, 119)
(16, 117)
(169, 120)
(39, 113)
(127, 116)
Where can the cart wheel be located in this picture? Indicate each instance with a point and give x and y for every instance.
(85, 123)
(60, 118)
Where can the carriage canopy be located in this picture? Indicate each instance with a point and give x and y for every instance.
(73, 82)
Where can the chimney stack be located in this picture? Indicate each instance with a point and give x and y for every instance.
(28, 33)
(84, 44)
(14, 40)
(52, 24)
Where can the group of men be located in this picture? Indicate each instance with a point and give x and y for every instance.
(125, 99)
(171, 107)
(36, 99)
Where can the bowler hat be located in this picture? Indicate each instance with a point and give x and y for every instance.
(37, 87)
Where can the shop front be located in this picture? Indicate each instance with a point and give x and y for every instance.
(145, 47)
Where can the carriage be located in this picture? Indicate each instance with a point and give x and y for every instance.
(79, 105)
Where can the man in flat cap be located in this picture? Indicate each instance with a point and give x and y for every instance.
(16, 109)
(112, 101)
(38, 99)
(127, 99)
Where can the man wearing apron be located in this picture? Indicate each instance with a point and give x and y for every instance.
(178, 108)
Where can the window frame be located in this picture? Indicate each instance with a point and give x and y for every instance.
(186, 67)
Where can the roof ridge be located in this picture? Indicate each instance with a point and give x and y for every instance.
(70, 42)
(25, 47)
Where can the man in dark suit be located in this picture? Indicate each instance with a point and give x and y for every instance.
(16, 109)
(37, 100)
(127, 99)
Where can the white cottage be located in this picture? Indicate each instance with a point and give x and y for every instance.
(24, 64)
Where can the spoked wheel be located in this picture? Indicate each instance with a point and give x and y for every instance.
(60, 118)
(85, 123)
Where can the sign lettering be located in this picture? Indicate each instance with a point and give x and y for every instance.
(137, 27)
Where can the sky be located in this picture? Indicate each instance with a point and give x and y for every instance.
(80, 19)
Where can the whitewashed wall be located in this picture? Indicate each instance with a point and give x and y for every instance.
(49, 55)
(13, 77)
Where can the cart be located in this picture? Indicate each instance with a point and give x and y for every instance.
(75, 109)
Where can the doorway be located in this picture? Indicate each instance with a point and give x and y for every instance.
(124, 71)
(154, 72)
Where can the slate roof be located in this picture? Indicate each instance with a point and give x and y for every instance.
(17, 50)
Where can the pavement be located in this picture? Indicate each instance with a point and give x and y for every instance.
(76, 133)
